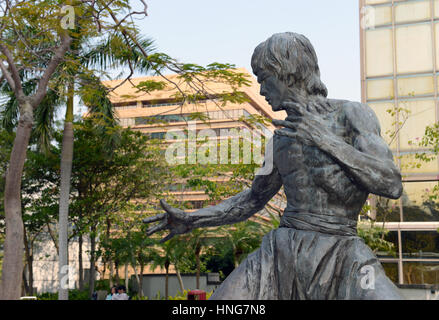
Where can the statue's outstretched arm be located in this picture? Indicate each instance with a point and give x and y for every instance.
(233, 210)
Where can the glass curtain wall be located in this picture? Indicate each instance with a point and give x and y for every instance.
(399, 67)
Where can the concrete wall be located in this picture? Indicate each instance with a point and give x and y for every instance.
(45, 264)
(419, 292)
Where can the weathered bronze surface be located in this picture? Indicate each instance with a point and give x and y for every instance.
(329, 156)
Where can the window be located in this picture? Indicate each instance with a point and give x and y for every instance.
(412, 11)
(420, 244)
(422, 113)
(416, 203)
(379, 55)
(391, 270)
(414, 41)
(380, 89)
(421, 272)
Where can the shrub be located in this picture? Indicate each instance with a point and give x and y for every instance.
(73, 295)
(183, 296)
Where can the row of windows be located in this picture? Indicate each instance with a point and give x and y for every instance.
(146, 105)
(217, 131)
(164, 104)
(405, 12)
(210, 115)
(420, 245)
(414, 272)
(415, 244)
(415, 116)
(416, 204)
(410, 41)
(408, 87)
(132, 106)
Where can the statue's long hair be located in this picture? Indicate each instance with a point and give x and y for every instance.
(293, 59)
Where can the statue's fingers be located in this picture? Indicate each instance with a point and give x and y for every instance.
(277, 122)
(285, 133)
(285, 124)
(168, 237)
(166, 206)
(160, 227)
(171, 210)
(290, 104)
(294, 119)
(294, 107)
(156, 218)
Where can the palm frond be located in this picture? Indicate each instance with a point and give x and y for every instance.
(115, 51)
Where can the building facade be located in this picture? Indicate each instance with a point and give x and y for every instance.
(399, 78)
(141, 111)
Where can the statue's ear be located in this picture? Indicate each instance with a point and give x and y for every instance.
(290, 80)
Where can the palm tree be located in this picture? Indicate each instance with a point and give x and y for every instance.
(172, 252)
(111, 52)
(197, 240)
(242, 238)
(162, 258)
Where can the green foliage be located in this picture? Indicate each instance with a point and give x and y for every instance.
(151, 85)
(105, 182)
(373, 236)
(243, 238)
(403, 115)
(430, 143)
(6, 140)
(73, 295)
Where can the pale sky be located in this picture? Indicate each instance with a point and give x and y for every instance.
(227, 31)
(205, 31)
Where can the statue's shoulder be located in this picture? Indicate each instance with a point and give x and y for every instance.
(360, 116)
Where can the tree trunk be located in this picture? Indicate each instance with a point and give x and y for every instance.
(110, 265)
(167, 280)
(53, 237)
(235, 260)
(104, 269)
(126, 276)
(80, 263)
(13, 245)
(25, 286)
(197, 257)
(142, 268)
(180, 280)
(29, 261)
(91, 280)
(136, 275)
(66, 172)
(116, 265)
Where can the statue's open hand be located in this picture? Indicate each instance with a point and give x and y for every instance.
(305, 127)
(174, 220)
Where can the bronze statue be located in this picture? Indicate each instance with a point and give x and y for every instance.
(329, 157)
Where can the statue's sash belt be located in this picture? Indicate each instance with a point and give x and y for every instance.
(329, 224)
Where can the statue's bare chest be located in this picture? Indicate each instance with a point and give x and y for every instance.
(307, 165)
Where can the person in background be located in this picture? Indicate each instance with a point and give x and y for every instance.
(113, 291)
(121, 294)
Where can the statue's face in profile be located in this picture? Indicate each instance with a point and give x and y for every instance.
(273, 89)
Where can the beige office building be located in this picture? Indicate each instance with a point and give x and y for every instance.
(139, 110)
(399, 77)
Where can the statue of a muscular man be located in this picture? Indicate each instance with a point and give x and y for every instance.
(329, 156)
